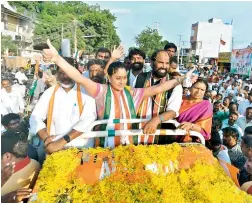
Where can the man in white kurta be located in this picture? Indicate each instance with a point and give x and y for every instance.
(20, 75)
(11, 99)
(66, 118)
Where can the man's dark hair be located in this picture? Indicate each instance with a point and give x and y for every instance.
(40, 74)
(230, 132)
(173, 60)
(233, 103)
(103, 50)
(15, 142)
(6, 119)
(248, 131)
(71, 61)
(154, 55)
(249, 108)
(215, 138)
(96, 62)
(247, 140)
(136, 52)
(234, 113)
(170, 45)
(6, 79)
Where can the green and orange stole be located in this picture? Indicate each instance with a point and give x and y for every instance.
(115, 108)
(51, 105)
(160, 104)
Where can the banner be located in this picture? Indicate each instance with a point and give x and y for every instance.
(241, 61)
(224, 57)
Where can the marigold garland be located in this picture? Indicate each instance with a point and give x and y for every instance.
(133, 182)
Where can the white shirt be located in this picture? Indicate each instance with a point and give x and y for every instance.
(225, 125)
(12, 102)
(39, 88)
(243, 106)
(20, 88)
(242, 123)
(65, 115)
(21, 76)
(132, 79)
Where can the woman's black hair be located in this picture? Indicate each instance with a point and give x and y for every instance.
(113, 67)
(201, 81)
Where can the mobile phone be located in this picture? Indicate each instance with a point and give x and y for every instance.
(41, 46)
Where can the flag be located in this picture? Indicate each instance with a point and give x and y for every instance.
(222, 42)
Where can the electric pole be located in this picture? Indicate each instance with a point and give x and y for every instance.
(75, 37)
(62, 29)
(182, 52)
(180, 37)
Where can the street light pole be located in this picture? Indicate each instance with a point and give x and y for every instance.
(180, 36)
(75, 37)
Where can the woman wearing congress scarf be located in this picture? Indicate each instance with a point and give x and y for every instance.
(113, 100)
(196, 113)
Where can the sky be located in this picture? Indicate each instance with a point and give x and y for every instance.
(176, 18)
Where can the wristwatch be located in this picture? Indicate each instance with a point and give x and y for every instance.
(67, 138)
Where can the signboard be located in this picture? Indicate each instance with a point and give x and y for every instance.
(224, 57)
(241, 61)
(15, 61)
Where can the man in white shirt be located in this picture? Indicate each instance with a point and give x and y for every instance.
(245, 104)
(11, 99)
(137, 58)
(20, 75)
(19, 87)
(68, 119)
(243, 121)
(173, 100)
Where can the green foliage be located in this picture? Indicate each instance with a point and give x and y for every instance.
(149, 41)
(8, 43)
(91, 21)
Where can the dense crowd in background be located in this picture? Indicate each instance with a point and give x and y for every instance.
(47, 108)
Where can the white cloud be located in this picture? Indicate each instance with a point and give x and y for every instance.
(120, 11)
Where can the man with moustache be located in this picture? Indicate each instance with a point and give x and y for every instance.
(161, 107)
(96, 70)
(137, 58)
(68, 112)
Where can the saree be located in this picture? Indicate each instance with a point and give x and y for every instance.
(112, 105)
(199, 113)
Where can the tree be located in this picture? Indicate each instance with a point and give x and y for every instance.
(91, 21)
(149, 41)
(8, 43)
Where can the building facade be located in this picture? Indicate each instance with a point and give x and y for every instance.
(19, 27)
(210, 38)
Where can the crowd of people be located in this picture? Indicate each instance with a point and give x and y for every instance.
(66, 98)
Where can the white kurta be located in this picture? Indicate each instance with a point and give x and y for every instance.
(21, 76)
(65, 115)
(12, 102)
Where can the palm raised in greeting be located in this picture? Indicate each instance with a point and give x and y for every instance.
(51, 54)
(117, 52)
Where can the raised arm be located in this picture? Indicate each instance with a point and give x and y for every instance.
(51, 54)
(116, 54)
(165, 86)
